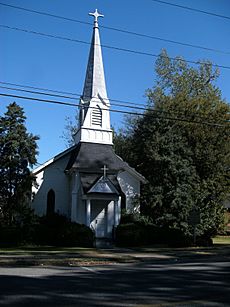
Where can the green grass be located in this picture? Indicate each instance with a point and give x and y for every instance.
(75, 256)
(221, 240)
(48, 255)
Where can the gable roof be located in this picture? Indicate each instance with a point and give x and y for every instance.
(103, 186)
(54, 159)
(91, 157)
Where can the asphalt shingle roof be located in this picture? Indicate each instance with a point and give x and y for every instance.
(92, 157)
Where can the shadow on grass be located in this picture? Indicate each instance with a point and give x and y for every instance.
(46, 255)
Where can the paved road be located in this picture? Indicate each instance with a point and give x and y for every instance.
(173, 283)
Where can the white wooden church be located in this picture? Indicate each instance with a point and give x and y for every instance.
(88, 182)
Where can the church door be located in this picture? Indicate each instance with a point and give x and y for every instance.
(99, 223)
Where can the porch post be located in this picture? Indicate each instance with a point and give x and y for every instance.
(116, 213)
(74, 197)
(74, 207)
(88, 212)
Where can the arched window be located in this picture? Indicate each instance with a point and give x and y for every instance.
(97, 116)
(50, 209)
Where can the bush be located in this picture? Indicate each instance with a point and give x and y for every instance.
(225, 226)
(18, 233)
(127, 218)
(129, 234)
(59, 231)
(142, 233)
(10, 236)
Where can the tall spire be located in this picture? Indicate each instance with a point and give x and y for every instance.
(95, 80)
(94, 115)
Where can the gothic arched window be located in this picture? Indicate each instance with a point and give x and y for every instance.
(50, 209)
(97, 116)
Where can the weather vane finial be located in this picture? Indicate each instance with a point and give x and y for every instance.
(96, 15)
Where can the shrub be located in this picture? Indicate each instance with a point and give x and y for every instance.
(129, 234)
(10, 236)
(73, 234)
(21, 231)
(225, 226)
(59, 231)
(143, 232)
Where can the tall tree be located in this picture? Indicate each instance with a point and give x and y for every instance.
(18, 151)
(181, 145)
(71, 128)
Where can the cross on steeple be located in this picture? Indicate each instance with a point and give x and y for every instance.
(96, 15)
(104, 168)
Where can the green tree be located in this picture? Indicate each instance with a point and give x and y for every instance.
(18, 151)
(71, 127)
(181, 145)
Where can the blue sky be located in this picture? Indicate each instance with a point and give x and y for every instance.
(60, 65)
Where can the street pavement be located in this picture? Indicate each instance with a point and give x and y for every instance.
(172, 282)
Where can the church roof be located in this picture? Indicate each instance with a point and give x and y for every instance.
(89, 159)
(93, 156)
(94, 184)
(103, 186)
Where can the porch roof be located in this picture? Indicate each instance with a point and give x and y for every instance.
(95, 184)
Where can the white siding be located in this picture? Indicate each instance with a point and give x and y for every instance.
(53, 177)
(130, 187)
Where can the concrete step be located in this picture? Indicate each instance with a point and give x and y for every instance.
(104, 243)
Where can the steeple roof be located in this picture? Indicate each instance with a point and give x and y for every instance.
(95, 79)
(94, 115)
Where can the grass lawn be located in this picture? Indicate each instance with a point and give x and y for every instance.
(75, 256)
(221, 240)
(47, 255)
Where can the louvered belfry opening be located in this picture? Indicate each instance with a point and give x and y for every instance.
(97, 116)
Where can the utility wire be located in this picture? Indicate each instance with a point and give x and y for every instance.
(167, 40)
(117, 111)
(192, 9)
(107, 46)
(68, 93)
(68, 97)
(114, 104)
(45, 14)
(118, 30)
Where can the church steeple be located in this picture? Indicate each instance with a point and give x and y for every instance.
(94, 117)
(95, 79)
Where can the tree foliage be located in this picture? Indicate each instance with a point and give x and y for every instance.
(18, 151)
(71, 127)
(181, 145)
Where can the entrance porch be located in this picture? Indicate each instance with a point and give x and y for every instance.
(103, 215)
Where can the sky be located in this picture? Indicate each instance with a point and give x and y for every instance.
(44, 62)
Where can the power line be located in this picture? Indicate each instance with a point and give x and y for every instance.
(118, 30)
(107, 46)
(192, 9)
(167, 40)
(68, 93)
(68, 97)
(45, 14)
(143, 108)
(117, 111)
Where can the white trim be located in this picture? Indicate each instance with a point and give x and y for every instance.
(54, 159)
(132, 171)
